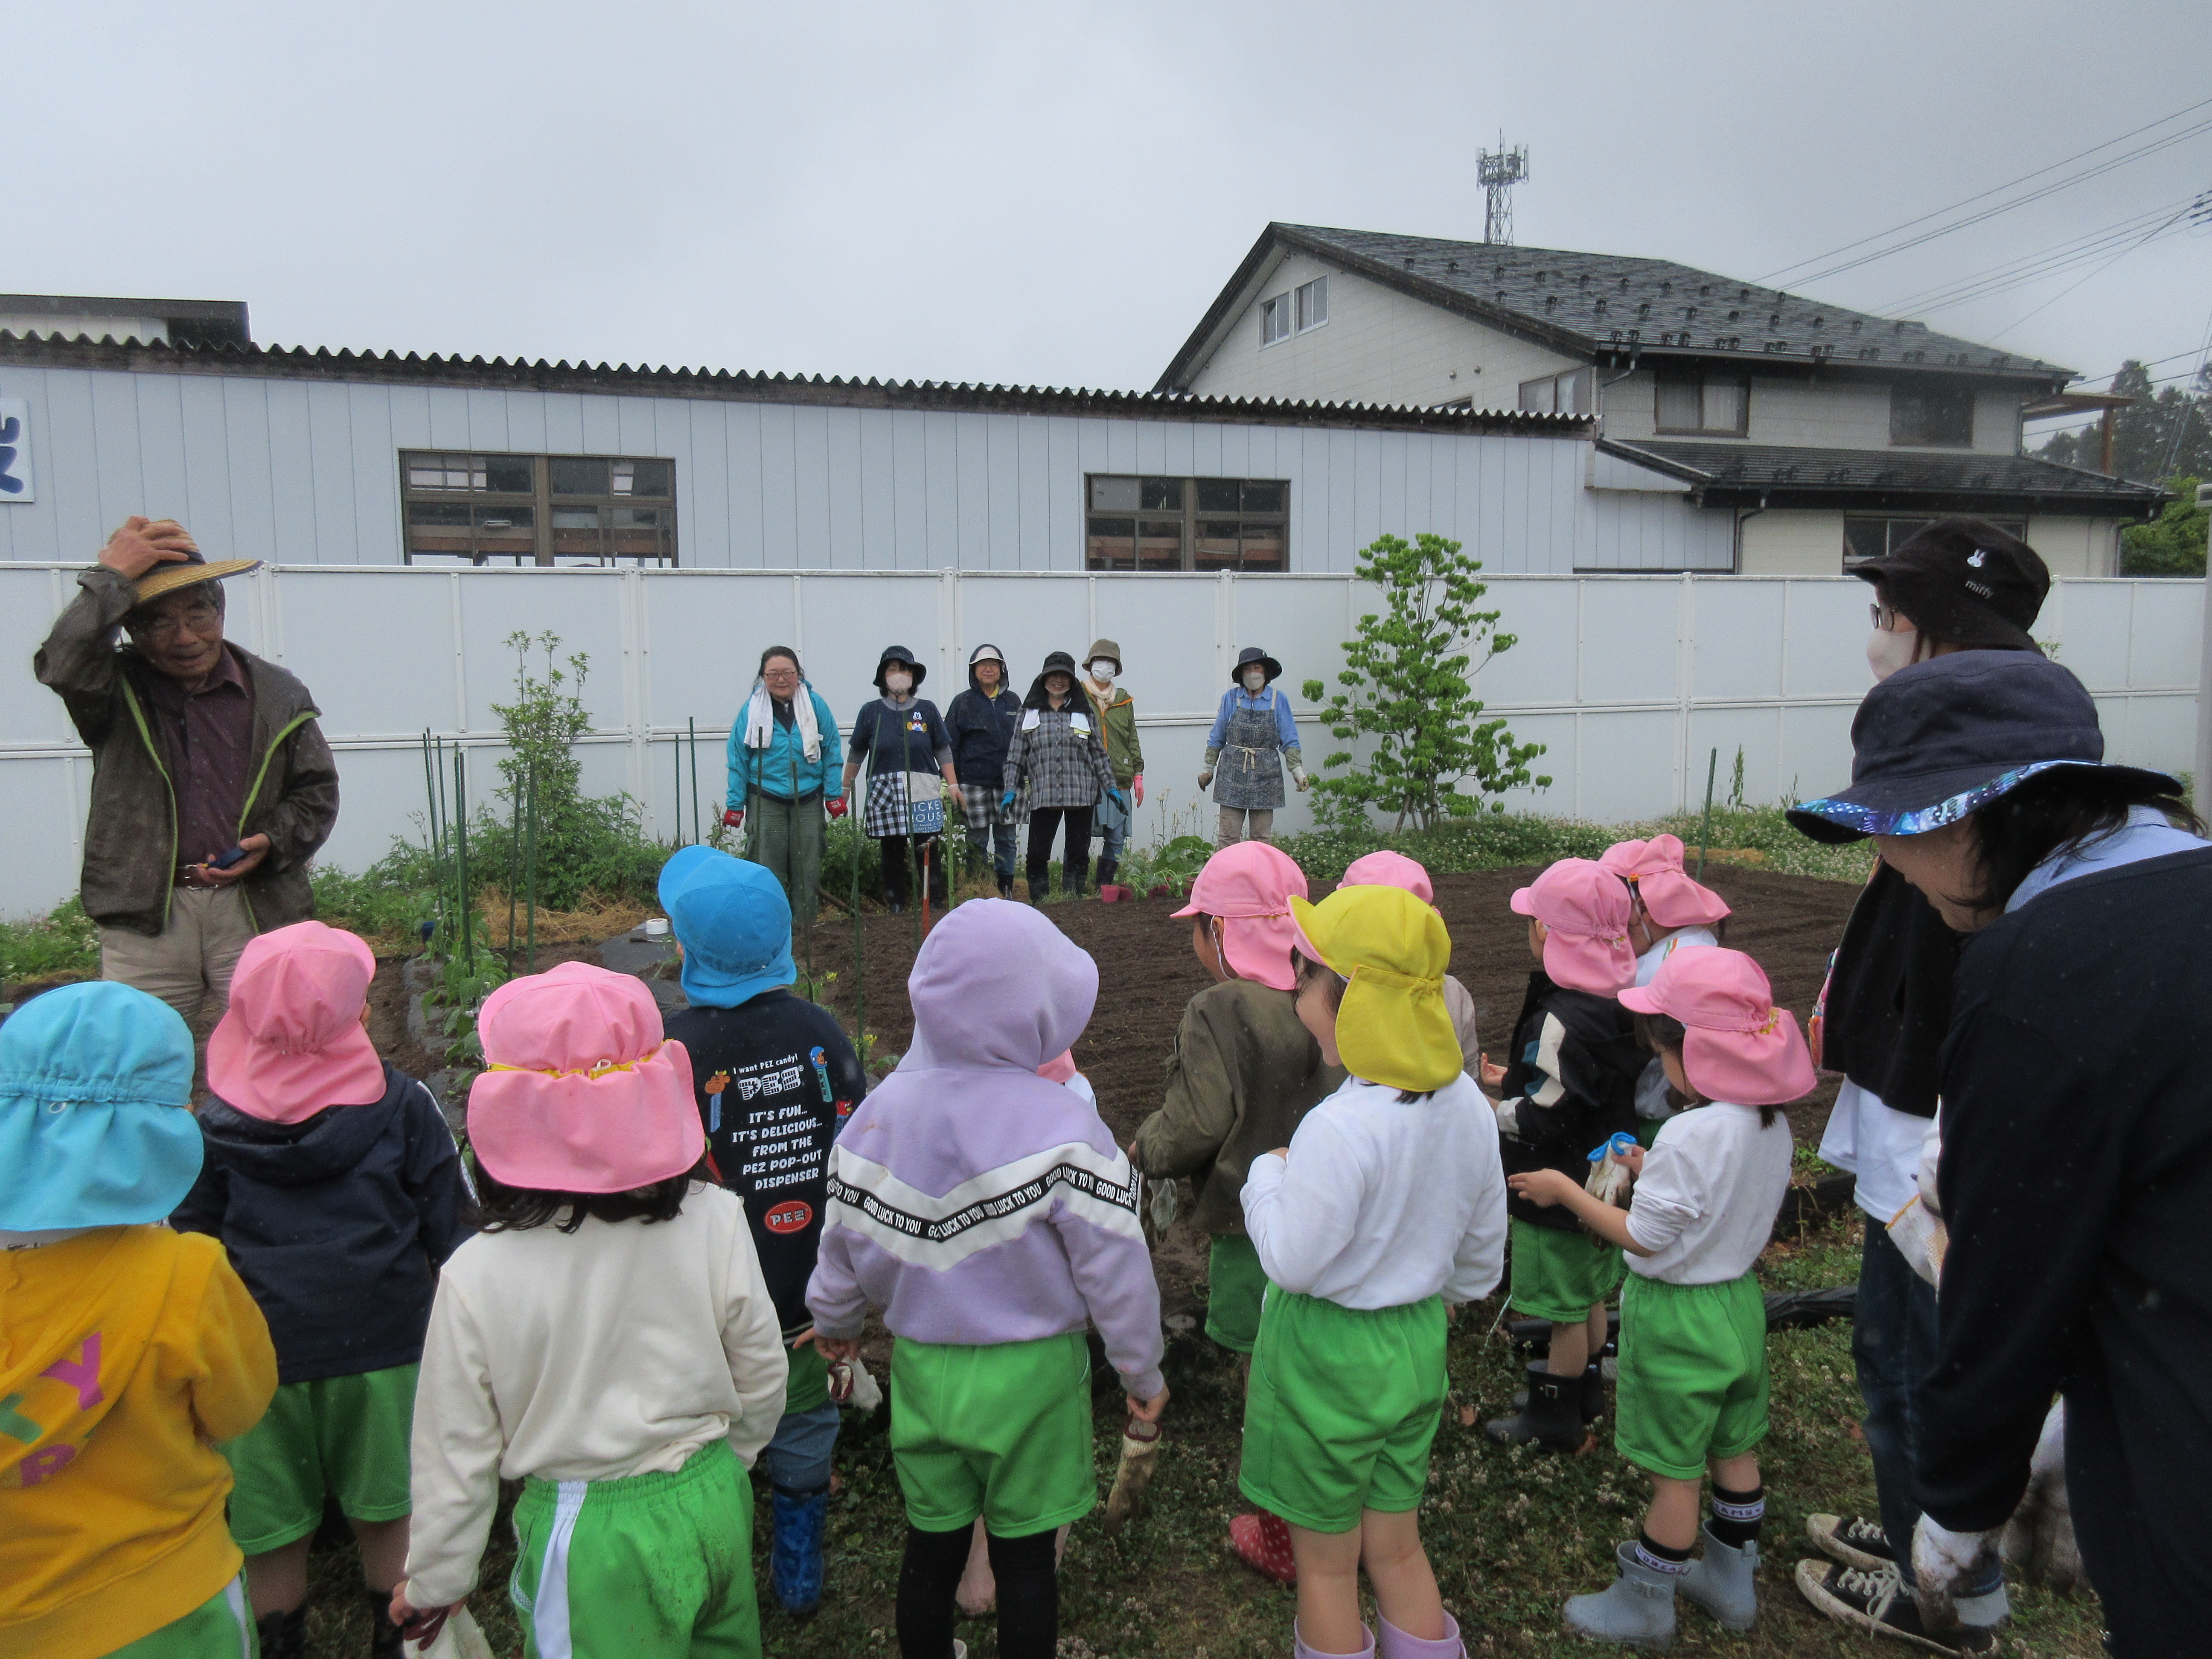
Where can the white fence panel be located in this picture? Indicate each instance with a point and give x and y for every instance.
(1632, 682)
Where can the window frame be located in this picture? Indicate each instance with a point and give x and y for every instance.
(1317, 287)
(1661, 380)
(1928, 389)
(1188, 516)
(1891, 537)
(541, 502)
(1576, 382)
(1277, 319)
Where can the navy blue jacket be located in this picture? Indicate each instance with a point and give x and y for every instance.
(337, 1225)
(982, 726)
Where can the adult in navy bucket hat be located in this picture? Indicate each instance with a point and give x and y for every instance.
(775, 1080)
(2075, 1163)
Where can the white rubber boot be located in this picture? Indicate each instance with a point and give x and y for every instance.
(1636, 1612)
(1720, 1581)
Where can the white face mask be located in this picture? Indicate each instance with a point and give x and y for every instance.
(1889, 649)
(898, 684)
(1103, 672)
(1255, 680)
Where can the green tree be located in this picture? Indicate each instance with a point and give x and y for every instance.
(1406, 690)
(2164, 431)
(2171, 544)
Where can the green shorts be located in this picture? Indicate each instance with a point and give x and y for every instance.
(1234, 1285)
(219, 1628)
(1561, 1274)
(338, 1436)
(1002, 1430)
(1693, 1383)
(656, 1566)
(1341, 1408)
(809, 1386)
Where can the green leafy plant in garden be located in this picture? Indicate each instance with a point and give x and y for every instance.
(62, 945)
(2171, 544)
(1406, 699)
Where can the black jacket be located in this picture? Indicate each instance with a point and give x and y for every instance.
(339, 1224)
(2076, 1181)
(775, 1080)
(983, 725)
(1888, 1003)
(1572, 1082)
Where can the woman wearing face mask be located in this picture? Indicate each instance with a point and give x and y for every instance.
(1254, 734)
(909, 751)
(1959, 585)
(1058, 756)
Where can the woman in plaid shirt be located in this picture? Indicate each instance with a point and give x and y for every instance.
(1058, 756)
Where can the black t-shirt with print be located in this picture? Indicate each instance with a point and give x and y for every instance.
(775, 1080)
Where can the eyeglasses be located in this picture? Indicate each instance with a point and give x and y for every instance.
(780, 674)
(198, 618)
(1885, 618)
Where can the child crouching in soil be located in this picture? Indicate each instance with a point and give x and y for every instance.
(608, 1341)
(1389, 1201)
(1693, 1322)
(334, 1183)
(989, 1215)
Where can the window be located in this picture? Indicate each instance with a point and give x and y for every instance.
(1871, 537)
(1187, 524)
(1304, 307)
(1709, 403)
(1942, 414)
(1557, 394)
(1275, 319)
(1313, 303)
(539, 509)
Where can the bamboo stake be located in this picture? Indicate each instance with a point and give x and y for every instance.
(514, 865)
(692, 724)
(530, 863)
(676, 800)
(1705, 833)
(461, 842)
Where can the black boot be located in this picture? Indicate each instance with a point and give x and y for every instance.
(383, 1635)
(1553, 1417)
(1006, 887)
(1593, 1395)
(1106, 869)
(284, 1635)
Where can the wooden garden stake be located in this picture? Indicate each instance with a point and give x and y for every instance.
(1705, 833)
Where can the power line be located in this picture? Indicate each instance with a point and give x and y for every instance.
(2025, 267)
(2141, 362)
(2070, 287)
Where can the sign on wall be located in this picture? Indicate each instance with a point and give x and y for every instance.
(16, 451)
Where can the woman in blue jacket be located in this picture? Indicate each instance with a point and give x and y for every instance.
(785, 772)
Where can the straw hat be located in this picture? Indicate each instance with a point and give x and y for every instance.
(1391, 950)
(195, 569)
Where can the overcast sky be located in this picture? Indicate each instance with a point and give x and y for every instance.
(1045, 193)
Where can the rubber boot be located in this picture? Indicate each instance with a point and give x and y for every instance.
(284, 1635)
(1394, 1644)
(1006, 887)
(1720, 1581)
(1593, 1395)
(384, 1638)
(1263, 1541)
(1553, 1417)
(795, 1559)
(1303, 1651)
(1636, 1612)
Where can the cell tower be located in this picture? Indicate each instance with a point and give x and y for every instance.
(1499, 170)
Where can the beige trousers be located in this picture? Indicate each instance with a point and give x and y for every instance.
(1233, 820)
(188, 963)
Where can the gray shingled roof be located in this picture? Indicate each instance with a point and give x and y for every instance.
(1602, 304)
(1723, 474)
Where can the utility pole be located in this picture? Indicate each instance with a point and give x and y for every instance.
(1498, 171)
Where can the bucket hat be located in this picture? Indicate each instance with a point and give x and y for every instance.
(291, 1042)
(1391, 950)
(1388, 869)
(95, 1127)
(584, 1093)
(733, 922)
(1966, 581)
(1057, 661)
(899, 654)
(1653, 869)
(1249, 886)
(1105, 648)
(1585, 911)
(1737, 1046)
(196, 568)
(1247, 657)
(1942, 738)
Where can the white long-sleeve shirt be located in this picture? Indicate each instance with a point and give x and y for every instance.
(618, 1350)
(1706, 1201)
(1382, 1202)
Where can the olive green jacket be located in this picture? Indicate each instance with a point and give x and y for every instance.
(1117, 723)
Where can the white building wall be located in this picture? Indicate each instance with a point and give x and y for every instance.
(1378, 346)
(2076, 547)
(1784, 542)
(1811, 415)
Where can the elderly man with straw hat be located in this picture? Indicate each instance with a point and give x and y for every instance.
(211, 784)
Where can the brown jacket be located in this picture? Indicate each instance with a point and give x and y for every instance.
(130, 832)
(1244, 1073)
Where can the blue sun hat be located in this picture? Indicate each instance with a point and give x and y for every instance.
(96, 1129)
(734, 923)
(1942, 738)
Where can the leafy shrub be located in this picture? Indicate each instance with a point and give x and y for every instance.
(62, 945)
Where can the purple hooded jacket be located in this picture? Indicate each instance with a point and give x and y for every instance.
(971, 1200)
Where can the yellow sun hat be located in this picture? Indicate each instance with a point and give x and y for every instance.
(195, 567)
(1391, 950)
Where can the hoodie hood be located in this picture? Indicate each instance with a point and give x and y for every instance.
(998, 987)
(318, 1148)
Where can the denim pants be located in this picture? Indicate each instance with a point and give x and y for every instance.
(797, 1458)
(1112, 824)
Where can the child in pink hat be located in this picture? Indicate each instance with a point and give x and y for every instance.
(1244, 1073)
(1569, 1084)
(1389, 869)
(335, 1186)
(1672, 911)
(1692, 1320)
(625, 1362)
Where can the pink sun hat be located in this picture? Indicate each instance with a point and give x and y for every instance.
(585, 1094)
(291, 1042)
(1655, 869)
(1737, 1046)
(1388, 869)
(1585, 911)
(1249, 886)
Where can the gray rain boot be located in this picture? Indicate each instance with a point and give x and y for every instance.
(1720, 1581)
(1636, 1612)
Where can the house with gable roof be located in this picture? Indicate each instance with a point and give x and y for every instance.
(1824, 435)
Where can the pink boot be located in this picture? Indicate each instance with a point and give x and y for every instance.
(1368, 1652)
(1396, 1644)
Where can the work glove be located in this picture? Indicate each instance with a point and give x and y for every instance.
(1946, 1566)
(1138, 785)
(835, 806)
(2039, 1540)
(734, 816)
(1006, 801)
(1298, 776)
(1205, 778)
(1115, 796)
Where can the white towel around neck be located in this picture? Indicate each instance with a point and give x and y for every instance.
(760, 720)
